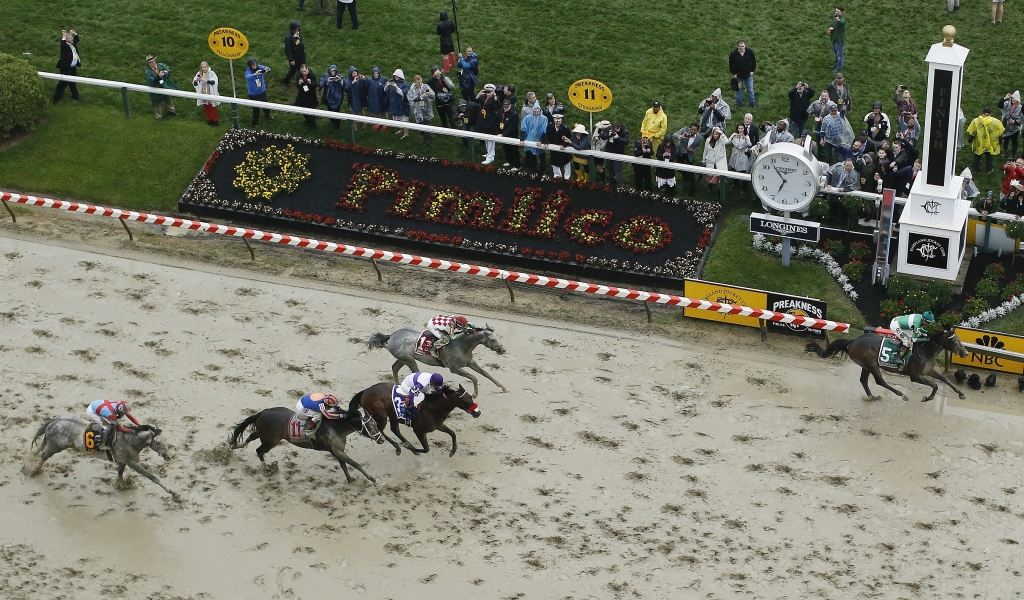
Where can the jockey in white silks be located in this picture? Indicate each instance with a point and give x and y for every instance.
(910, 329)
(416, 386)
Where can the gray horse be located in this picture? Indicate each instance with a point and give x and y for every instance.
(455, 356)
(61, 433)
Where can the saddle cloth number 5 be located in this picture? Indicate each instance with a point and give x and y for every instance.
(885, 354)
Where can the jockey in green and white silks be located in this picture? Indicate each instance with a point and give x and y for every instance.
(910, 329)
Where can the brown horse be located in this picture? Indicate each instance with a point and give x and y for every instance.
(435, 408)
(864, 352)
(271, 427)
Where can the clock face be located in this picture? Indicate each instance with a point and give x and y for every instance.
(784, 182)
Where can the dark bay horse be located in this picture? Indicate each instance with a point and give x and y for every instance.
(435, 408)
(61, 433)
(271, 427)
(456, 355)
(863, 351)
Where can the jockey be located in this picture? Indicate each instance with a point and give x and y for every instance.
(910, 329)
(444, 327)
(106, 413)
(416, 386)
(312, 408)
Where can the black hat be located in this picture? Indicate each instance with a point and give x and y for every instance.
(960, 375)
(252, 61)
(986, 111)
(990, 381)
(974, 381)
(293, 26)
(434, 69)
(550, 95)
(876, 105)
(656, 104)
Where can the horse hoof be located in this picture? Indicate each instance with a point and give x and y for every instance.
(398, 451)
(905, 398)
(451, 454)
(963, 396)
(926, 399)
(504, 390)
(176, 497)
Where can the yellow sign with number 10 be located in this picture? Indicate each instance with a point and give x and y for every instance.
(228, 43)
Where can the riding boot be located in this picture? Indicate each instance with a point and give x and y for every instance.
(310, 429)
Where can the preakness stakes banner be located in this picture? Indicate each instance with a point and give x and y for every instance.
(470, 210)
(771, 301)
(429, 263)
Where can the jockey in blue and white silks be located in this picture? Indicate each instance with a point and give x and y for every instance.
(312, 408)
(416, 386)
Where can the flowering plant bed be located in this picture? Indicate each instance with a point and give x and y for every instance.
(527, 219)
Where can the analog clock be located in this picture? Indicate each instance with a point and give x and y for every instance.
(786, 177)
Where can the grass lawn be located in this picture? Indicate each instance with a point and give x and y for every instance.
(735, 262)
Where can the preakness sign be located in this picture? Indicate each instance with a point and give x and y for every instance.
(728, 294)
(793, 229)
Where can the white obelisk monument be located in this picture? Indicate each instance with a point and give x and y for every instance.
(933, 226)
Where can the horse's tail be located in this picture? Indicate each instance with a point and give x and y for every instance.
(248, 424)
(41, 431)
(355, 403)
(840, 346)
(378, 340)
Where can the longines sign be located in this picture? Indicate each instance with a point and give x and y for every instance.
(793, 229)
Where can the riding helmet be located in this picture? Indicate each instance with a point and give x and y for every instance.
(461, 321)
(330, 400)
(436, 380)
(928, 316)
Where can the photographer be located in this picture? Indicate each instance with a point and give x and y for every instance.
(469, 73)
(444, 96)
(357, 91)
(688, 140)
(421, 98)
(713, 113)
(877, 122)
(1012, 119)
(904, 103)
(839, 92)
(490, 119)
(333, 86)
(819, 110)
(67, 64)
(205, 82)
(306, 85)
(618, 140)
(396, 91)
(158, 75)
(257, 88)
(799, 103)
(599, 141)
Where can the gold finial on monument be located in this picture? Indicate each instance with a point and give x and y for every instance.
(948, 33)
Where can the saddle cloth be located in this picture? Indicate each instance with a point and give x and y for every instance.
(93, 438)
(889, 353)
(405, 413)
(425, 343)
(295, 434)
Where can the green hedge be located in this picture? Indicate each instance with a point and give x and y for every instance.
(21, 96)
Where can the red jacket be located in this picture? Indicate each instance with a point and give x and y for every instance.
(1012, 172)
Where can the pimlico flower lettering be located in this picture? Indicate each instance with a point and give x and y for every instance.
(256, 182)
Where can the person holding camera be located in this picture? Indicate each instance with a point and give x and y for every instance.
(1012, 119)
(742, 64)
(397, 91)
(819, 110)
(837, 34)
(799, 103)
(908, 128)
(158, 75)
(306, 85)
(618, 140)
(377, 97)
(509, 127)
(421, 98)
(715, 157)
(333, 86)
(294, 51)
(67, 64)
(688, 140)
(904, 103)
(642, 173)
(205, 82)
(839, 92)
(740, 142)
(490, 118)
(444, 96)
(713, 113)
(256, 84)
(599, 141)
(1014, 173)
(877, 123)
(356, 91)
(469, 73)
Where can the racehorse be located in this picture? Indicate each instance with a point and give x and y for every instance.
(864, 352)
(455, 355)
(435, 408)
(271, 426)
(61, 433)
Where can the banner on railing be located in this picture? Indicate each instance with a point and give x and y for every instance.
(995, 341)
(772, 301)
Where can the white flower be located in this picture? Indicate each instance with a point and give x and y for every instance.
(759, 238)
(973, 322)
(843, 279)
(1001, 311)
(836, 272)
(853, 296)
(847, 288)
(1013, 302)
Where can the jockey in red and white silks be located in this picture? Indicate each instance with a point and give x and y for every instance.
(106, 413)
(416, 386)
(444, 327)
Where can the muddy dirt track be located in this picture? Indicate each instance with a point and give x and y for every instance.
(675, 460)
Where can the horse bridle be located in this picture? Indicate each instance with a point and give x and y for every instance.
(365, 419)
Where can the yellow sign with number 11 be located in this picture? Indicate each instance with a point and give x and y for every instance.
(590, 95)
(228, 43)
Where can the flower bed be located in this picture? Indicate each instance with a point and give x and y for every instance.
(403, 198)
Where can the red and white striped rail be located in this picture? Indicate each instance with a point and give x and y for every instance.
(430, 263)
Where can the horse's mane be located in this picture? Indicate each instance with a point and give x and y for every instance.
(147, 427)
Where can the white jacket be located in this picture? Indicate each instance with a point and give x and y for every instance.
(208, 86)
